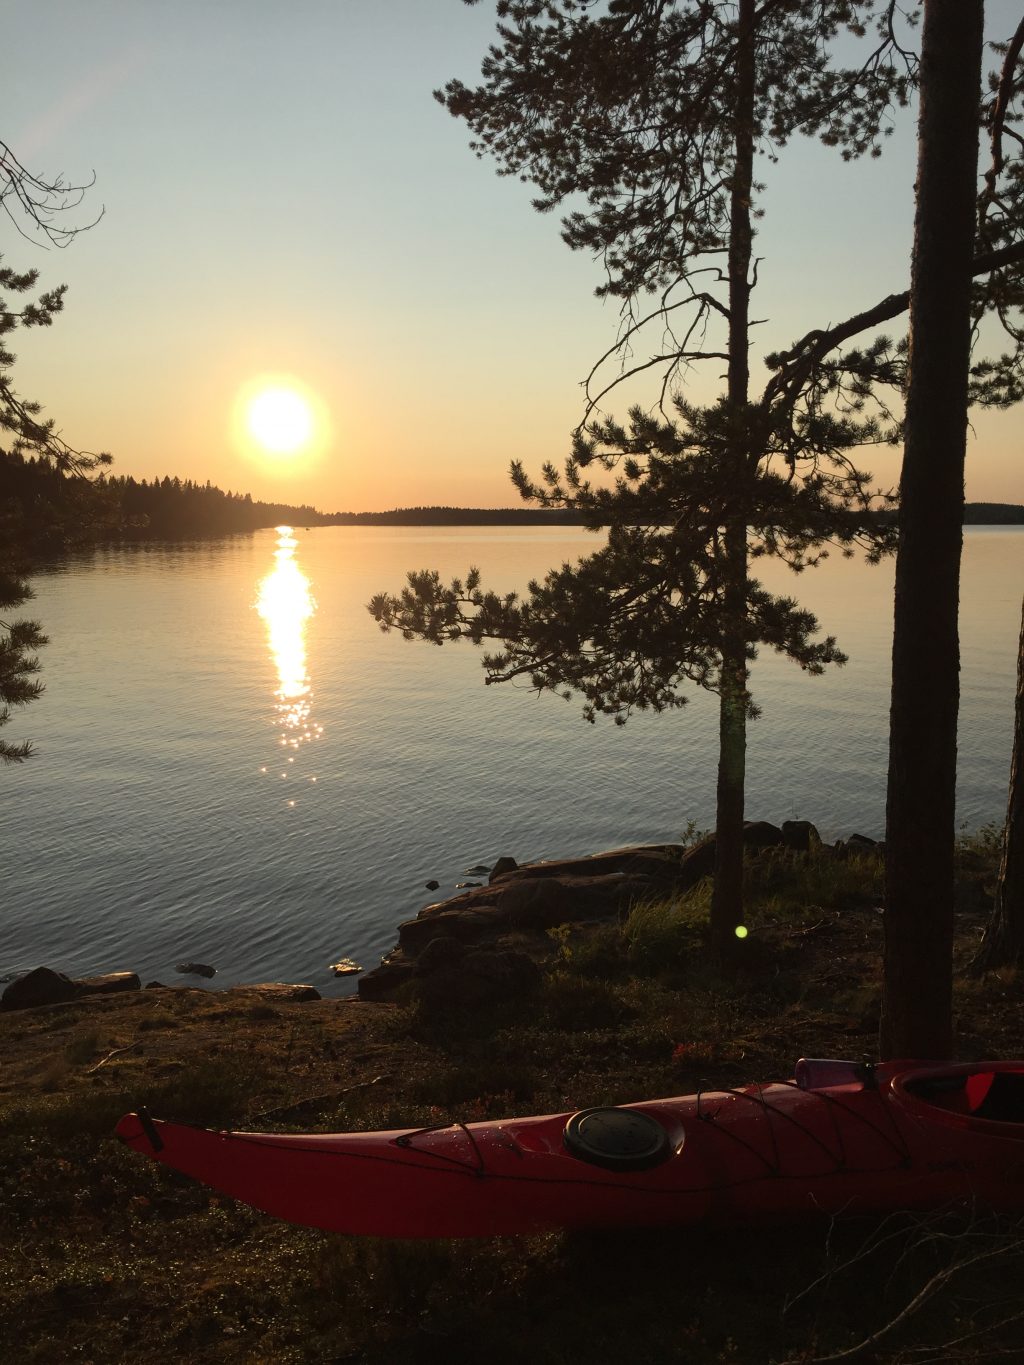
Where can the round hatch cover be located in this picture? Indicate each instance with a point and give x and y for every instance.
(618, 1139)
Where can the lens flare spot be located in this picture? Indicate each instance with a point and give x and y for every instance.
(741, 931)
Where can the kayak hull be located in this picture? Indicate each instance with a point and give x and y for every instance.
(902, 1136)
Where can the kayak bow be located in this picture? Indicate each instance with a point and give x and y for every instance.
(839, 1137)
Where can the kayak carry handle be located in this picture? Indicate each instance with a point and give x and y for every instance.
(149, 1128)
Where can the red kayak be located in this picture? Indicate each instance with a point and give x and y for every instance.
(840, 1137)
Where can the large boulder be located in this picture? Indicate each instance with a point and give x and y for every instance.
(501, 867)
(758, 834)
(467, 925)
(800, 835)
(856, 846)
(860, 843)
(660, 861)
(43, 986)
(542, 903)
(395, 970)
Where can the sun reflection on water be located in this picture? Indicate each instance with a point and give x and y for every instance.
(286, 604)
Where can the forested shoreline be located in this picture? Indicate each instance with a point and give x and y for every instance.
(975, 514)
(181, 509)
(123, 508)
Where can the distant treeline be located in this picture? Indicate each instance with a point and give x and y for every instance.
(458, 516)
(993, 514)
(41, 509)
(975, 514)
(179, 509)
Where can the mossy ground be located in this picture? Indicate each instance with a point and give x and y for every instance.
(108, 1258)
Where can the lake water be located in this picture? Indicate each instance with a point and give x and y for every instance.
(235, 766)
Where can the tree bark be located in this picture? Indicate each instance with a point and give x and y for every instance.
(727, 895)
(1003, 944)
(917, 991)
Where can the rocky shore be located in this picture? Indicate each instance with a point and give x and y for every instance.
(44, 986)
(485, 943)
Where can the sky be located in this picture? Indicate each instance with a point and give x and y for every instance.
(285, 203)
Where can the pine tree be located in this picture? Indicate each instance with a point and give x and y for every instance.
(18, 662)
(42, 478)
(654, 113)
(917, 1016)
(643, 111)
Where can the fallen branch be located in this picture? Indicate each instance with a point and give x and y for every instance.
(979, 1244)
(312, 1101)
(116, 1052)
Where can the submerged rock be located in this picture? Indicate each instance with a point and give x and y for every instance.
(195, 969)
(345, 967)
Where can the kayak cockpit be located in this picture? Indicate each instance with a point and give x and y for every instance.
(989, 1096)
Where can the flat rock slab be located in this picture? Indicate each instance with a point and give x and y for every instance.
(278, 991)
(44, 986)
(108, 983)
(536, 897)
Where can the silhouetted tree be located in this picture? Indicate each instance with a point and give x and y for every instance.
(181, 509)
(41, 476)
(18, 662)
(38, 469)
(917, 1016)
(37, 206)
(653, 112)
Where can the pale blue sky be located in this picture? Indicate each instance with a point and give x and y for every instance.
(283, 196)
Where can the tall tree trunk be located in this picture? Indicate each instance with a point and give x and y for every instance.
(917, 993)
(1003, 944)
(727, 896)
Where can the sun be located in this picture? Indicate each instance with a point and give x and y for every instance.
(280, 419)
(281, 423)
